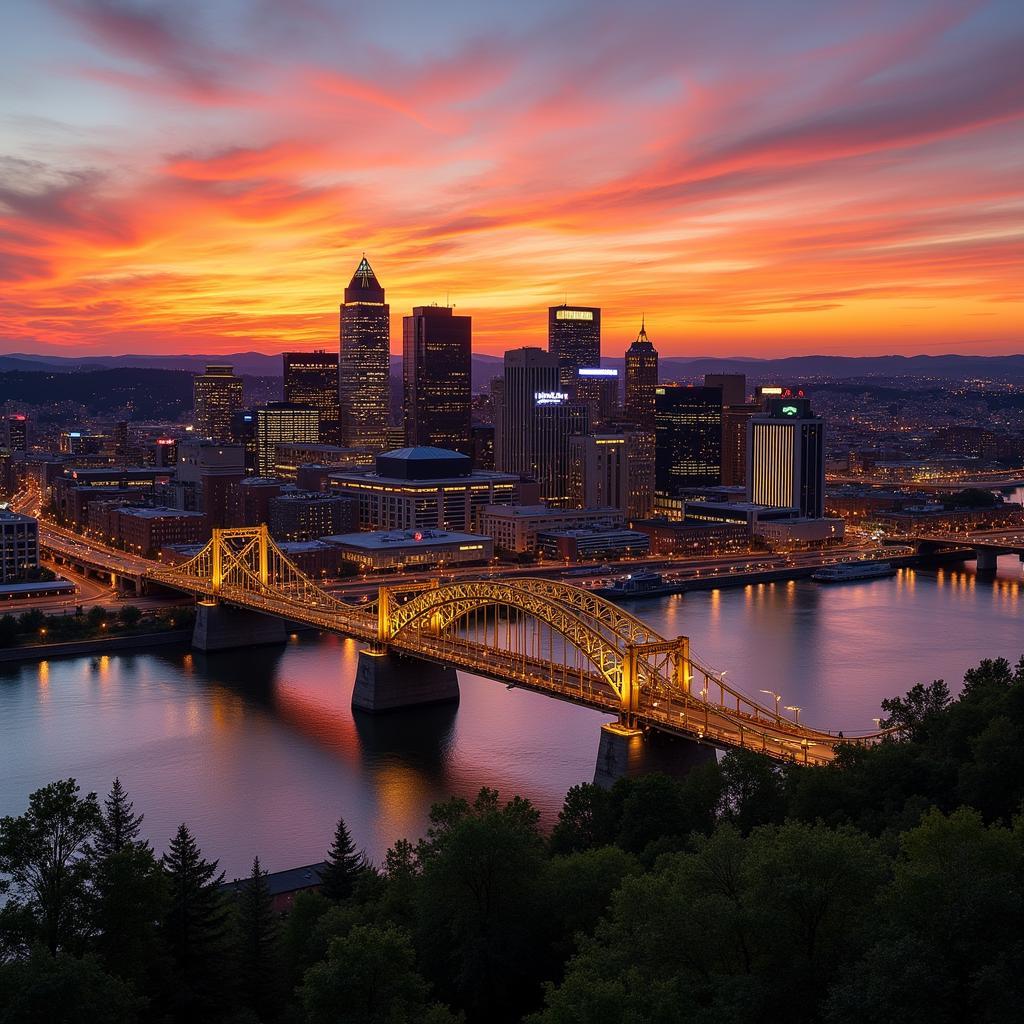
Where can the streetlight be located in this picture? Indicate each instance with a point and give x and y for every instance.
(794, 708)
(778, 699)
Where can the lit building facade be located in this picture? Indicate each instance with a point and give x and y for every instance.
(641, 381)
(688, 438)
(282, 423)
(389, 549)
(530, 374)
(309, 515)
(515, 528)
(311, 378)
(364, 361)
(216, 397)
(19, 546)
(574, 339)
(598, 389)
(436, 370)
(16, 432)
(424, 488)
(786, 458)
(612, 470)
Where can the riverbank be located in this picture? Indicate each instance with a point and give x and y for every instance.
(101, 645)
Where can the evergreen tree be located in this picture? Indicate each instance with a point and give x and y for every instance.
(119, 825)
(194, 929)
(344, 865)
(259, 947)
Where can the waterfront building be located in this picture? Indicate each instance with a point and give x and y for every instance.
(515, 528)
(688, 438)
(574, 339)
(364, 361)
(216, 396)
(786, 457)
(612, 470)
(436, 377)
(309, 515)
(641, 381)
(283, 423)
(311, 378)
(593, 542)
(19, 546)
(693, 537)
(420, 488)
(412, 549)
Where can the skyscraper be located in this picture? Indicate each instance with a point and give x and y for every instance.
(216, 396)
(786, 457)
(598, 388)
(574, 339)
(436, 373)
(557, 420)
(688, 432)
(16, 432)
(311, 378)
(282, 423)
(641, 380)
(531, 375)
(612, 471)
(364, 360)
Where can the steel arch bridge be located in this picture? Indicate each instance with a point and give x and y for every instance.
(539, 634)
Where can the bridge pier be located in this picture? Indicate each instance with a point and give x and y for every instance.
(386, 681)
(987, 559)
(221, 627)
(625, 752)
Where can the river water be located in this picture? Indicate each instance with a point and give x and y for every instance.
(260, 753)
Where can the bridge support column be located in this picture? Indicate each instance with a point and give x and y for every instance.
(386, 681)
(221, 627)
(627, 752)
(987, 560)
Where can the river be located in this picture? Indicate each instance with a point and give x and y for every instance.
(260, 753)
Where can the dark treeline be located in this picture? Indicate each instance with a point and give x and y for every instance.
(888, 886)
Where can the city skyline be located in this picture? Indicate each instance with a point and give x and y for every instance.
(202, 179)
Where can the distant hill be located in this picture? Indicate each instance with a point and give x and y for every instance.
(258, 364)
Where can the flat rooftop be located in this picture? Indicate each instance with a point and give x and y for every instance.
(382, 540)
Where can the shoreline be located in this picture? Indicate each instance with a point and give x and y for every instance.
(43, 652)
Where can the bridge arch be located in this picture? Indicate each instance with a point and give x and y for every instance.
(440, 609)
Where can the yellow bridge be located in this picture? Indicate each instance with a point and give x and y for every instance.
(538, 634)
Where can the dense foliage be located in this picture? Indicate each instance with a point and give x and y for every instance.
(888, 886)
(34, 626)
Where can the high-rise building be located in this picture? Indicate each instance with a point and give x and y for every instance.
(786, 457)
(598, 389)
(206, 476)
(216, 396)
(243, 432)
(16, 432)
(734, 443)
(530, 376)
(19, 546)
(282, 423)
(364, 362)
(641, 380)
(311, 378)
(733, 385)
(612, 471)
(436, 372)
(574, 339)
(688, 438)
(557, 420)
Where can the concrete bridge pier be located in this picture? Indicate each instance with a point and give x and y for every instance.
(221, 627)
(386, 681)
(625, 752)
(987, 559)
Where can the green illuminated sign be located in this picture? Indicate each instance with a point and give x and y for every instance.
(789, 410)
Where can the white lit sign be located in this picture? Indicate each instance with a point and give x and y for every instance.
(595, 372)
(771, 391)
(574, 314)
(550, 397)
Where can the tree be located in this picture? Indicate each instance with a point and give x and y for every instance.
(44, 870)
(194, 929)
(752, 790)
(63, 989)
(31, 621)
(369, 977)
(8, 630)
(130, 616)
(96, 615)
(258, 946)
(344, 865)
(480, 906)
(588, 819)
(119, 826)
(914, 714)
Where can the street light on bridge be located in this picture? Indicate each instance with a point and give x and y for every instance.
(778, 700)
(796, 710)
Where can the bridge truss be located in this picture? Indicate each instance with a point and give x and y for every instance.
(539, 634)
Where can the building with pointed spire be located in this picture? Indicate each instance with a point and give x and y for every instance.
(364, 360)
(641, 380)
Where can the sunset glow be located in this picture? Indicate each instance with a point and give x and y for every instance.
(757, 178)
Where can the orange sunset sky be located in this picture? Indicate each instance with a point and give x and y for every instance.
(757, 178)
